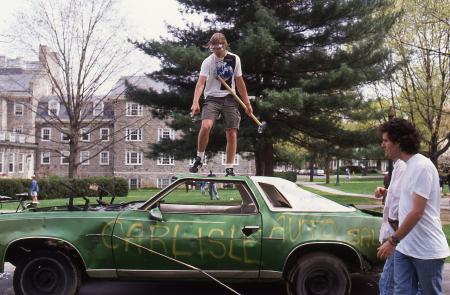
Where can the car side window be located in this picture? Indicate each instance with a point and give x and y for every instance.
(208, 196)
(275, 197)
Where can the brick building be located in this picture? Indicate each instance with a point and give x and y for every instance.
(115, 147)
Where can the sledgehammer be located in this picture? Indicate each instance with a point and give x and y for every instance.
(261, 126)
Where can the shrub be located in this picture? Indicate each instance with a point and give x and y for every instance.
(56, 187)
(289, 175)
(10, 187)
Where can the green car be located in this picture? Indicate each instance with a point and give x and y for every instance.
(225, 229)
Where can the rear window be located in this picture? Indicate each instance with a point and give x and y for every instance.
(275, 197)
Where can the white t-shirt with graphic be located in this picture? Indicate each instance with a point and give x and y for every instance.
(426, 240)
(227, 67)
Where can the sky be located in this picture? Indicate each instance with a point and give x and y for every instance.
(145, 20)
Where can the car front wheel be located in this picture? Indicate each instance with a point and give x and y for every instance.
(46, 272)
(318, 274)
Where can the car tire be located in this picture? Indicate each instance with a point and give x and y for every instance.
(318, 273)
(46, 272)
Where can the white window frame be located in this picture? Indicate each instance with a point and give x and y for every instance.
(100, 162)
(84, 133)
(21, 163)
(224, 159)
(128, 158)
(43, 133)
(133, 132)
(53, 105)
(163, 131)
(43, 156)
(166, 160)
(98, 108)
(82, 158)
(62, 137)
(18, 130)
(18, 109)
(163, 182)
(2, 162)
(107, 134)
(138, 183)
(134, 109)
(64, 156)
(12, 156)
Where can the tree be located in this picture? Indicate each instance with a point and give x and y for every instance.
(86, 38)
(421, 87)
(303, 61)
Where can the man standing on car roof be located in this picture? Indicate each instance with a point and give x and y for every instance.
(218, 100)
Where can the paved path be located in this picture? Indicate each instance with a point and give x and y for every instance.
(445, 201)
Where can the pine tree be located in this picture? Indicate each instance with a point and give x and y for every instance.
(302, 60)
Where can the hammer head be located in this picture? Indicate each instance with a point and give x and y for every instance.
(262, 127)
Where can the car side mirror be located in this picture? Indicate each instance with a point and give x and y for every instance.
(155, 214)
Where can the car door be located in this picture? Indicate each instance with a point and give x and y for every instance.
(190, 228)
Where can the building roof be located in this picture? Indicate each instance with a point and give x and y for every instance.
(16, 82)
(108, 111)
(142, 82)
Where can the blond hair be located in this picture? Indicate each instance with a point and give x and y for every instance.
(217, 38)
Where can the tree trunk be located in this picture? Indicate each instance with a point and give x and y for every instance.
(73, 165)
(327, 169)
(264, 159)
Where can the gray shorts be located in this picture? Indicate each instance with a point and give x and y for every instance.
(226, 106)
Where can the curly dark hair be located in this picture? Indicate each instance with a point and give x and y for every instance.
(403, 132)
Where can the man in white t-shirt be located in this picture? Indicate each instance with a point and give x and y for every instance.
(419, 243)
(390, 216)
(218, 100)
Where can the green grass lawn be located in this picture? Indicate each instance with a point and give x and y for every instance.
(357, 186)
(343, 199)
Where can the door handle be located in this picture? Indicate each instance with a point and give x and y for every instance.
(250, 229)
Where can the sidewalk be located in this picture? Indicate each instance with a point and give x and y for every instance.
(445, 201)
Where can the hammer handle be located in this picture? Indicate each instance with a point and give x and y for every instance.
(238, 99)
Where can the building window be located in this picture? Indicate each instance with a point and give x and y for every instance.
(166, 133)
(46, 134)
(163, 182)
(166, 160)
(2, 161)
(134, 183)
(104, 134)
(11, 162)
(53, 108)
(21, 163)
(98, 108)
(224, 159)
(18, 130)
(18, 109)
(85, 134)
(133, 158)
(133, 134)
(65, 157)
(84, 157)
(65, 136)
(45, 158)
(104, 158)
(134, 109)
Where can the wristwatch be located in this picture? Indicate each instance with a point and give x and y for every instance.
(394, 240)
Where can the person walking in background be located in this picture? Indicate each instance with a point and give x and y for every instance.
(419, 245)
(391, 197)
(219, 101)
(34, 189)
(212, 188)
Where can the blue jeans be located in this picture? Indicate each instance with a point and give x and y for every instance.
(411, 272)
(386, 283)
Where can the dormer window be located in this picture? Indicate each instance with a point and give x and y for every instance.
(53, 108)
(98, 108)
